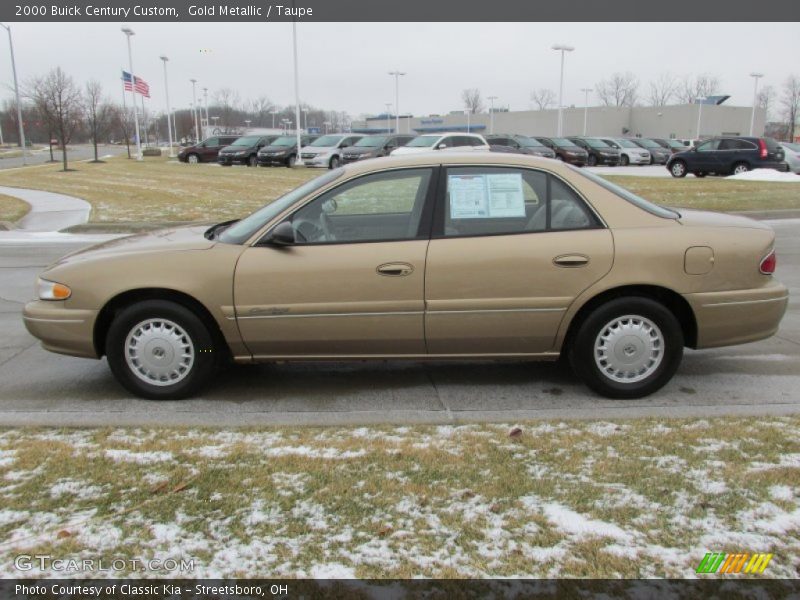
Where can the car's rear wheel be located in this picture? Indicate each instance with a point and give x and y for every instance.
(291, 160)
(160, 350)
(740, 168)
(627, 348)
(252, 161)
(678, 169)
(624, 160)
(592, 160)
(193, 159)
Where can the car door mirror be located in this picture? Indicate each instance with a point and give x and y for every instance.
(281, 235)
(441, 146)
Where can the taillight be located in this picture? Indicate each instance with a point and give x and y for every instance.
(762, 147)
(768, 263)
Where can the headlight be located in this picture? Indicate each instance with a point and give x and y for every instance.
(50, 290)
(242, 153)
(365, 155)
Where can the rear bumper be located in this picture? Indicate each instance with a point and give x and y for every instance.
(62, 330)
(738, 316)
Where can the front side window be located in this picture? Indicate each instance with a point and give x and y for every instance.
(708, 146)
(211, 142)
(376, 208)
(501, 200)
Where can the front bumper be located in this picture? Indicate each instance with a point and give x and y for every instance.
(738, 316)
(637, 159)
(608, 160)
(316, 161)
(60, 329)
(266, 161)
(231, 160)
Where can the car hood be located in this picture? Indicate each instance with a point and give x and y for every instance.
(361, 150)
(172, 239)
(576, 149)
(233, 149)
(277, 148)
(317, 149)
(705, 218)
(412, 150)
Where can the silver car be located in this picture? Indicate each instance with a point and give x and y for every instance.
(326, 151)
(791, 154)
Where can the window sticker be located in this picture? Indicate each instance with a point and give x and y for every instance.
(497, 195)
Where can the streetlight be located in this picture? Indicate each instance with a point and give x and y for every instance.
(215, 119)
(128, 34)
(305, 119)
(166, 90)
(586, 91)
(468, 112)
(699, 113)
(388, 117)
(491, 113)
(194, 111)
(755, 77)
(16, 93)
(397, 75)
(205, 102)
(563, 49)
(273, 113)
(247, 123)
(326, 124)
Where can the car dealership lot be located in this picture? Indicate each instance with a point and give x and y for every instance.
(40, 388)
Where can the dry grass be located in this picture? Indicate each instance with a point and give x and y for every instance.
(12, 209)
(639, 498)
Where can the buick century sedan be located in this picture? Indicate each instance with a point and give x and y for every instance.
(424, 257)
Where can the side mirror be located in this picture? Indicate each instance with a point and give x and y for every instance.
(441, 146)
(281, 235)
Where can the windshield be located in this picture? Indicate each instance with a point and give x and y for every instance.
(370, 142)
(285, 141)
(654, 209)
(562, 142)
(676, 144)
(248, 140)
(527, 142)
(596, 143)
(327, 140)
(240, 232)
(423, 141)
(626, 143)
(648, 143)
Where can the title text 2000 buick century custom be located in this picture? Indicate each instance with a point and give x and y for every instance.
(427, 256)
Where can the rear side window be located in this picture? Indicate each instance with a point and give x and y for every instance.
(501, 200)
(733, 144)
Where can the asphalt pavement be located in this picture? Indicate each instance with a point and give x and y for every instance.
(40, 388)
(80, 152)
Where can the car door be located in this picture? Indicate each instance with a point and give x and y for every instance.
(510, 251)
(707, 157)
(209, 149)
(352, 284)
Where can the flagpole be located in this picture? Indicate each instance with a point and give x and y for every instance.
(128, 33)
(125, 118)
(144, 120)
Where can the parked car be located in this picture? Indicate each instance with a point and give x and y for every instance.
(569, 263)
(326, 151)
(443, 141)
(207, 150)
(728, 156)
(791, 153)
(673, 146)
(629, 153)
(373, 146)
(566, 150)
(521, 144)
(244, 151)
(658, 154)
(599, 152)
(283, 151)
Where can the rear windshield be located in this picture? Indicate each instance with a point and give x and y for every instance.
(248, 140)
(370, 142)
(285, 141)
(423, 141)
(653, 209)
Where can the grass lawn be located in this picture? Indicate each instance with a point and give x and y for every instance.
(12, 209)
(634, 498)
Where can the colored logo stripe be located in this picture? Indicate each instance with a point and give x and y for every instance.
(721, 562)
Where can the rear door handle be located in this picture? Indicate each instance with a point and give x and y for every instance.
(398, 269)
(571, 260)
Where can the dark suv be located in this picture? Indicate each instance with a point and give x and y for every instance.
(207, 150)
(566, 150)
(728, 155)
(520, 144)
(373, 146)
(599, 152)
(244, 151)
(282, 151)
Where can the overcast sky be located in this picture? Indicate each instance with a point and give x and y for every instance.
(344, 66)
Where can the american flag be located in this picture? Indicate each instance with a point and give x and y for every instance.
(139, 85)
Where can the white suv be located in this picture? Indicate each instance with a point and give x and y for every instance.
(443, 141)
(326, 151)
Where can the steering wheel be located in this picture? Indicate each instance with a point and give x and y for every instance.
(307, 230)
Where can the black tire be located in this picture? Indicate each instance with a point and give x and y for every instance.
(592, 160)
(740, 167)
(193, 159)
(290, 161)
(191, 329)
(252, 161)
(587, 367)
(334, 163)
(624, 160)
(678, 168)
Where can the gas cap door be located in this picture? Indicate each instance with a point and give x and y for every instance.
(698, 260)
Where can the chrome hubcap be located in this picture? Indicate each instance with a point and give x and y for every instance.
(629, 349)
(193, 159)
(159, 352)
(677, 168)
(740, 169)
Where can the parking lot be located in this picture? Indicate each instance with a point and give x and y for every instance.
(40, 388)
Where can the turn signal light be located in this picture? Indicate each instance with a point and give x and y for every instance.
(50, 290)
(768, 263)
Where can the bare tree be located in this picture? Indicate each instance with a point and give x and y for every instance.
(692, 88)
(766, 99)
(472, 100)
(790, 100)
(662, 89)
(543, 98)
(59, 101)
(259, 109)
(618, 90)
(228, 103)
(100, 113)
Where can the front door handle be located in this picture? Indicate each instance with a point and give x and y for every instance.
(571, 260)
(398, 269)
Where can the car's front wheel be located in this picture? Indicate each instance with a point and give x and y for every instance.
(624, 160)
(678, 169)
(160, 350)
(334, 163)
(627, 348)
(592, 160)
(252, 161)
(291, 160)
(193, 159)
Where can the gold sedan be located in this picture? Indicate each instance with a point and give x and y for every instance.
(435, 256)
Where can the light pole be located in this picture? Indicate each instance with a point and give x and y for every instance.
(397, 75)
(327, 124)
(16, 93)
(299, 159)
(166, 90)
(469, 112)
(586, 91)
(699, 114)
(563, 49)
(247, 123)
(756, 77)
(273, 113)
(491, 113)
(205, 102)
(128, 34)
(215, 119)
(388, 117)
(195, 111)
(305, 119)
